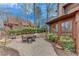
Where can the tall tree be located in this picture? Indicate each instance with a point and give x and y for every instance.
(47, 17)
(24, 6)
(37, 16)
(48, 11)
(52, 10)
(34, 13)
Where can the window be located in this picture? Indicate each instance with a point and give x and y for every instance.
(55, 28)
(69, 7)
(67, 27)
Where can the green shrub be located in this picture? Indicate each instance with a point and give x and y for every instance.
(11, 32)
(25, 30)
(52, 37)
(67, 43)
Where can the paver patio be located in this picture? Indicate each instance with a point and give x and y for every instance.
(38, 48)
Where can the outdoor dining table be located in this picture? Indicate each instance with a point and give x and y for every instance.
(29, 38)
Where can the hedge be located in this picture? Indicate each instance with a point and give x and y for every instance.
(25, 31)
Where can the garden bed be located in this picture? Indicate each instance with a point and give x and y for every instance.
(60, 51)
(64, 45)
(6, 51)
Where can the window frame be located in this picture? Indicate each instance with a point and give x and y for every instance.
(69, 28)
(70, 7)
(55, 26)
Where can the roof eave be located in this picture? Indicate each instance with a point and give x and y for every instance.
(62, 17)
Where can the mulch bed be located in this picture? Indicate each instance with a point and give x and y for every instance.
(6, 51)
(61, 52)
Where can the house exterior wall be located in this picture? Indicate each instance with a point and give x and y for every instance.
(75, 27)
(77, 32)
(66, 8)
(60, 28)
(71, 8)
(60, 11)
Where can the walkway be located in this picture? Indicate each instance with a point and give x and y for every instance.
(38, 48)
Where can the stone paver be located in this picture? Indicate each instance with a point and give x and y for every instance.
(38, 48)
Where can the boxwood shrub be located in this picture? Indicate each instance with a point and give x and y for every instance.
(52, 37)
(67, 43)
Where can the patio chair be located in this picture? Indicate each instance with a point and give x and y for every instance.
(23, 39)
(12, 36)
(30, 39)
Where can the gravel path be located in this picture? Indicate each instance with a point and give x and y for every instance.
(38, 48)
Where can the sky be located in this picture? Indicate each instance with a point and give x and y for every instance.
(15, 9)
